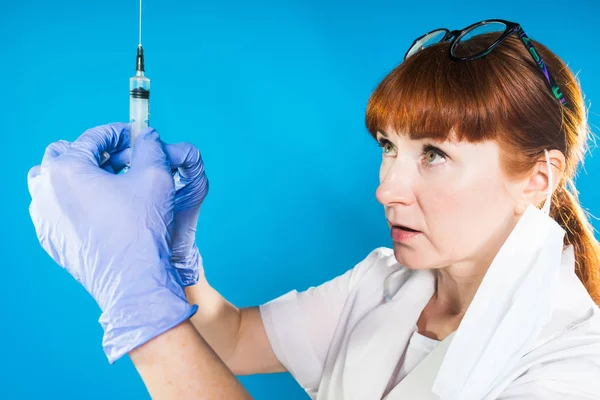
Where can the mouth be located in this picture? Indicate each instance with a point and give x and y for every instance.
(404, 228)
(401, 227)
(401, 233)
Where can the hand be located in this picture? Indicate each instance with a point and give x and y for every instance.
(112, 233)
(191, 189)
(186, 257)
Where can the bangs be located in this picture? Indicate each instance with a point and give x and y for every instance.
(431, 96)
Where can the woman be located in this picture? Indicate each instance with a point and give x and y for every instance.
(482, 295)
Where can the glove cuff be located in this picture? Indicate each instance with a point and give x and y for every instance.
(141, 316)
(189, 269)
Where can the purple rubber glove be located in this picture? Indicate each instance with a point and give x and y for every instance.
(192, 187)
(112, 232)
(186, 257)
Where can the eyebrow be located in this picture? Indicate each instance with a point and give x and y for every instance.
(432, 136)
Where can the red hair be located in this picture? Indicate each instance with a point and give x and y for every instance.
(502, 97)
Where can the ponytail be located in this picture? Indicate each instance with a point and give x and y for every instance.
(567, 211)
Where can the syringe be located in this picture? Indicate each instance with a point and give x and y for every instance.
(139, 102)
(139, 98)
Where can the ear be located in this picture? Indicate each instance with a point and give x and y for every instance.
(536, 185)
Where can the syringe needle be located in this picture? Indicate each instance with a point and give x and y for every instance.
(140, 35)
(139, 93)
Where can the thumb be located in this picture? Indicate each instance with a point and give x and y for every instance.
(148, 152)
(186, 158)
(105, 138)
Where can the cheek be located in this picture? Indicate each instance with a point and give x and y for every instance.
(462, 217)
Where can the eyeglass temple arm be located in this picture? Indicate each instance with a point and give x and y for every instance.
(540, 63)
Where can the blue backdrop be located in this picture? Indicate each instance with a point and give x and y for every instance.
(274, 95)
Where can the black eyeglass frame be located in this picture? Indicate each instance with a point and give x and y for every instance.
(455, 36)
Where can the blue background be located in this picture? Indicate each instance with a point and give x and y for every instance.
(274, 95)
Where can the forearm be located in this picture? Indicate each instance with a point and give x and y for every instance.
(217, 320)
(179, 364)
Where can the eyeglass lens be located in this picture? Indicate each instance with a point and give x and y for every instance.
(478, 39)
(426, 41)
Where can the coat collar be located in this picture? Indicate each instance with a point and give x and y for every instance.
(378, 341)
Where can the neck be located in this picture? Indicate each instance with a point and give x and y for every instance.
(455, 291)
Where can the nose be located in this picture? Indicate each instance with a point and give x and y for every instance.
(395, 187)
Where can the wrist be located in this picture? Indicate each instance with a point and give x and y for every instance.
(189, 268)
(141, 315)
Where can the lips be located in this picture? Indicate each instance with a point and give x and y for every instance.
(404, 228)
(402, 233)
(401, 226)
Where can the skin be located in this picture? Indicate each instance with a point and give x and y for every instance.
(180, 364)
(458, 197)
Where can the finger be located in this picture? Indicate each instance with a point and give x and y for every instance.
(148, 151)
(105, 138)
(191, 183)
(118, 161)
(185, 157)
(54, 150)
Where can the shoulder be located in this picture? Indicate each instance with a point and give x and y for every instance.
(566, 365)
(574, 313)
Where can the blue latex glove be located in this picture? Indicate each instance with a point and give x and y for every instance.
(112, 233)
(193, 187)
(186, 257)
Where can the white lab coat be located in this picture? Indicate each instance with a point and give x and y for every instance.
(344, 339)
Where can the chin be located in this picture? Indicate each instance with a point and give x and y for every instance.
(413, 258)
(408, 257)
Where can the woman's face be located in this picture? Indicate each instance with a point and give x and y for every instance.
(447, 203)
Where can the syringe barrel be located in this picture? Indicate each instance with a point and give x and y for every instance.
(139, 105)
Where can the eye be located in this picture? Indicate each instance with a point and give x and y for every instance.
(386, 145)
(433, 155)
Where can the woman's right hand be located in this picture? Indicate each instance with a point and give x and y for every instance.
(192, 185)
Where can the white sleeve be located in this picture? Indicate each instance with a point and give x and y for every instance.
(565, 380)
(300, 325)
